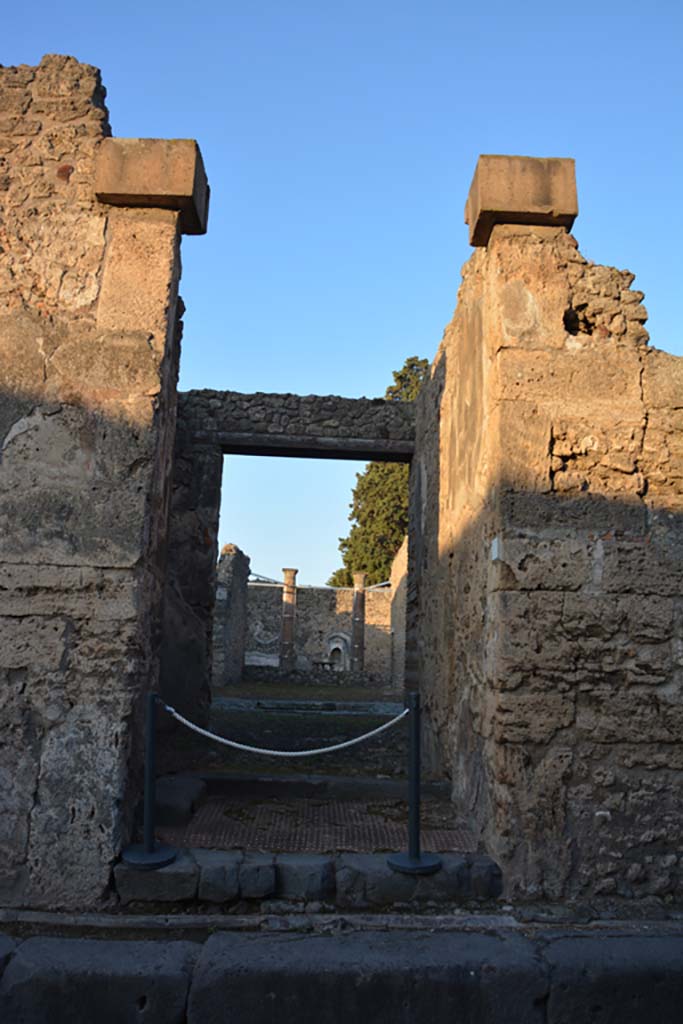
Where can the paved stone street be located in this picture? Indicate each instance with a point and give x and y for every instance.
(328, 971)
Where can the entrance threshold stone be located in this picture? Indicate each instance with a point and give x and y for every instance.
(349, 881)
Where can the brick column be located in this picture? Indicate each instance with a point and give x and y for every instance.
(287, 652)
(358, 623)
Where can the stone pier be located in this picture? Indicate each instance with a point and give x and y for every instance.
(230, 617)
(89, 349)
(548, 512)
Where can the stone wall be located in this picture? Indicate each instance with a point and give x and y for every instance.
(230, 617)
(549, 495)
(89, 340)
(378, 639)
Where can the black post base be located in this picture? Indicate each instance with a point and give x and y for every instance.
(425, 864)
(138, 857)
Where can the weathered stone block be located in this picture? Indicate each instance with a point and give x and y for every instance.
(373, 976)
(351, 871)
(523, 430)
(571, 513)
(662, 380)
(257, 876)
(137, 281)
(450, 883)
(77, 981)
(219, 880)
(586, 382)
(486, 878)
(635, 978)
(304, 876)
(516, 649)
(166, 173)
(175, 882)
(520, 190)
(537, 563)
(177, 798)
(649, 563)
(7, 947)
(608, 717)
(532, 718)
(365, 879)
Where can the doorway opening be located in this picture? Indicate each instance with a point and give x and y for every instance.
(299, 665)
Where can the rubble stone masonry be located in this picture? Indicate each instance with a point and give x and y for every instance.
(88, 363)
(547, 530)
(264, 423)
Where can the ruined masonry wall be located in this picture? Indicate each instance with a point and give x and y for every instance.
(88, 362)
(548, 499)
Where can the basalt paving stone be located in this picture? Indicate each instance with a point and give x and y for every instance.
(316, 826)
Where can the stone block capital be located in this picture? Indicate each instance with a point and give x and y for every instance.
(520, 190)
(166, 173)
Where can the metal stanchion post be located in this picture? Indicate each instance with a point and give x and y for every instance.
(148, 854)
(414, 862)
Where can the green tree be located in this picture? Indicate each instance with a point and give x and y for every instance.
(379, 509)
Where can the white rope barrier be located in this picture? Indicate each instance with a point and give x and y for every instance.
(282, 753)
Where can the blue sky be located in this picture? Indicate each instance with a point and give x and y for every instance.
(340, 140)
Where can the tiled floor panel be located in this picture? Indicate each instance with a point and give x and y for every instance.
(316, 826)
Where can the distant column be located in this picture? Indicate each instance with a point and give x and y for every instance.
(358, 623)
(287, 652)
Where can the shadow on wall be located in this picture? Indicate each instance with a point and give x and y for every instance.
(550, 627)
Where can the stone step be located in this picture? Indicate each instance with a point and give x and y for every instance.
(333, 787)
(340, 706)
(284, 880)
(299, 691)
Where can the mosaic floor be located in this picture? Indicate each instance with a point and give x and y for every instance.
(316, 826)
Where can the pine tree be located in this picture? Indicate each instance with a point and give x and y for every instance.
(379, 509)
